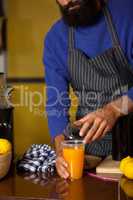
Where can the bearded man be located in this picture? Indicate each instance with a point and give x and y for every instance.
(90, 49)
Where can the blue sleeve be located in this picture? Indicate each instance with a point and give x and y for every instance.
(130, 57)
(130, 54)
(126, 30)
(56, 76)
(130, 93)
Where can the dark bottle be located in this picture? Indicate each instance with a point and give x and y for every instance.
(122, 138)
(6, 123)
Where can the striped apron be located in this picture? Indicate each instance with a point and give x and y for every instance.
(99, 80)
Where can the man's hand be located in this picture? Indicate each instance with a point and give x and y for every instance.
(61, 165)
(96, 124)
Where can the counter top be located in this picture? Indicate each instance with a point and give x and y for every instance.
(29, 187)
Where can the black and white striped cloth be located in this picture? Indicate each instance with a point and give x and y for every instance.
(39, 158)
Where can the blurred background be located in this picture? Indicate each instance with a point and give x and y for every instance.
(25, 24)
(28, 23)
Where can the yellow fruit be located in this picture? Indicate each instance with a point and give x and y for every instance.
(128, 170)
(5, 146)
(124, 162)
(127, 186)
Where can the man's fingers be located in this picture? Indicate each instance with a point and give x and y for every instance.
(62, 167)
(100, 131)
(62, 172)
(78, 123)
(92, 131)
(84, 129)
(84, 119)
(107, 129)
(61, 161)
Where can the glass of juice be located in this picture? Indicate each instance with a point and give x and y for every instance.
(73, 153)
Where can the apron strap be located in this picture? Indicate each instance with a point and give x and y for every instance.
(111, 26)
(71, 41)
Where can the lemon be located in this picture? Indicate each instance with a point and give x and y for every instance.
(127, 186)
(128, 170)
(5, 146)
(124, 162)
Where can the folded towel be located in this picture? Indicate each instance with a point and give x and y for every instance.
(38, 158)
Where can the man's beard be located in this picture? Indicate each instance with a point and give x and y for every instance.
(83, 13)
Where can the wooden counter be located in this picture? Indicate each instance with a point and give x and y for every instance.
(25, 187)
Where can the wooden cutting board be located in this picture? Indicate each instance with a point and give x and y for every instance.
(108, 166)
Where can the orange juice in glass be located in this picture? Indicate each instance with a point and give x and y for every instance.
(73, 153)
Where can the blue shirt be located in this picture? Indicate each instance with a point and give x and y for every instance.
(93, 41)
